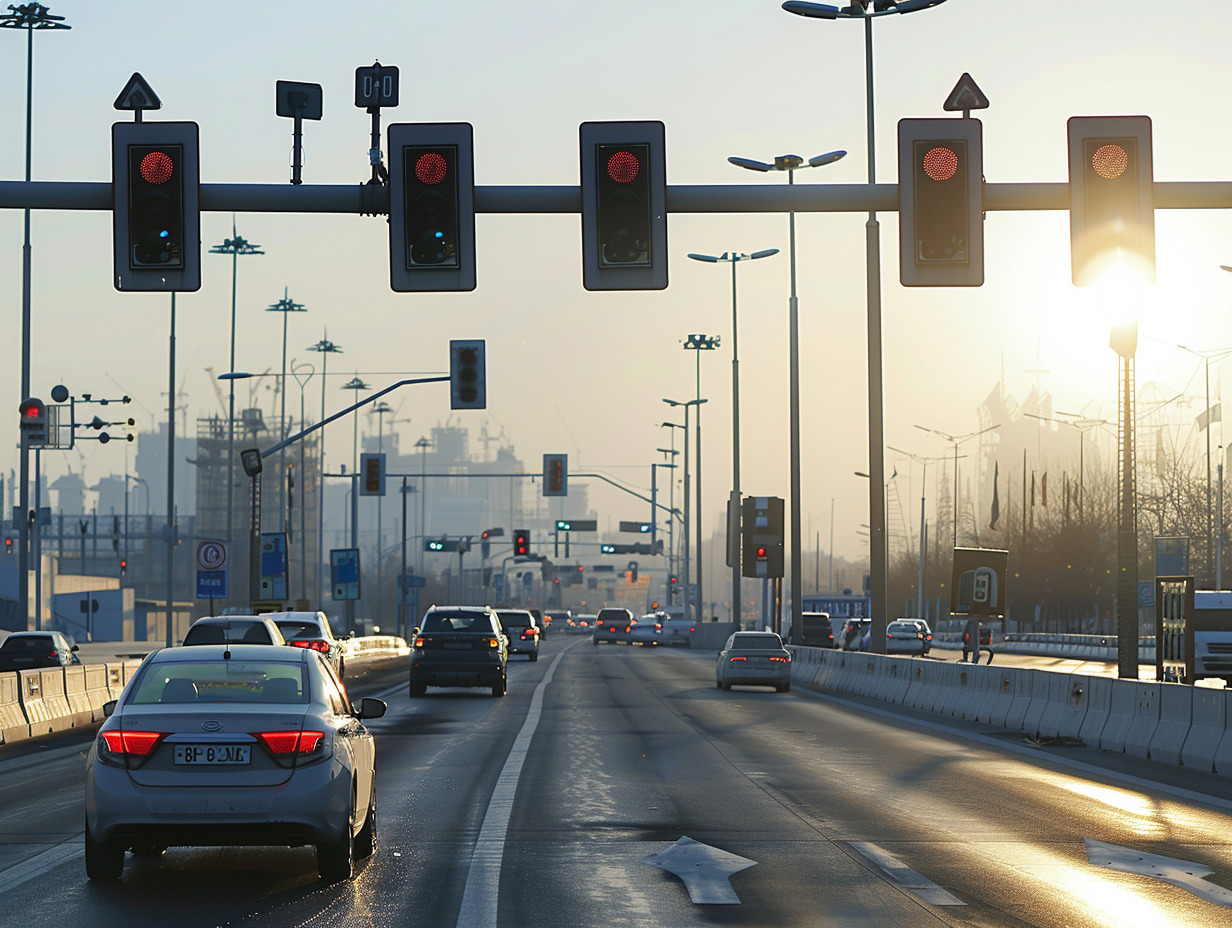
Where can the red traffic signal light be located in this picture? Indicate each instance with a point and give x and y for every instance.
(1111, 197)
(431, 207)
(156, 214)
(761, 554)
(521, 542)
(624, 206)
(941, 202)
(34, 427)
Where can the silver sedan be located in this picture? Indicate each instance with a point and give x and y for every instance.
(232, 745)
(756, 658)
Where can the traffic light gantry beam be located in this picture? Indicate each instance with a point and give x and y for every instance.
(692, 198)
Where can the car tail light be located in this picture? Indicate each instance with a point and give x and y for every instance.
(138, 743)
(290, 742)
(737, 659)
(419, 642)
(493, 643)
(315, 644)
(782, 660)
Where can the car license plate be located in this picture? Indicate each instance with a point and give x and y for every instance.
(457, 646)
(209, 754)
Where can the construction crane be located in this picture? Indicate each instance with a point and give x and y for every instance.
(222, 400)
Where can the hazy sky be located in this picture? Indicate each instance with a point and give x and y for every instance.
(581, 372)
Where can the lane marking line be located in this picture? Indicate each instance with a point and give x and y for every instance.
(39, 864)
(904, 877)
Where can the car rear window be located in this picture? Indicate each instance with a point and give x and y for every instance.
(292, 629)
(236, 632)
(457, 622)
(757, 641)
(904, 627)
(512, 618)
(26, 643)
(221, 681)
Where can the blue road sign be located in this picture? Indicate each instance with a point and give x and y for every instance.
(344, 572)
(211, 584)
(1146, 594)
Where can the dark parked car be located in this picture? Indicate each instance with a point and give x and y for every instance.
(815, 631)
(23, 650)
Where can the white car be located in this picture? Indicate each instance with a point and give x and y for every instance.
(221, 745)
(753, 658)
(312, 630)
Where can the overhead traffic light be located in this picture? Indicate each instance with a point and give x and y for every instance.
(155, 173)
(372, 474)
(624, 206)
(467, 378)
(431, 206)
(34, 431)
(1111, 197)
(521, 541)
(941, 202)
(556, 475)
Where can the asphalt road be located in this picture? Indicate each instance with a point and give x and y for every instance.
(542, 808)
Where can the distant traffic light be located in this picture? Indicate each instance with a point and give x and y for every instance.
(521, 541)
(8, 545)
(941, 202)
(762, 536)
(624, 206)
(34, 431)
(556, 475)
(372, 474)
(431, 207)
(155, 212)
(467, 378)
(123, 567)
(1111, 197)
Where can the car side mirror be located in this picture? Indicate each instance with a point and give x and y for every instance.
(109, 708)
(370, 708)
(74, 648)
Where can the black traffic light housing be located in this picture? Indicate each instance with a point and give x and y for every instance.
(1111, 197)
(556, 475)
(372, 474)
(468, 387)
(156, 215)
(431, 207)
(624, 205)
(34, 425)
(521, 542)
(941, 202)
(762, 536)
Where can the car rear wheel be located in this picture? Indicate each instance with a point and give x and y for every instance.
(417, 689)
(499, 687)
(104, 859)
(534, 655)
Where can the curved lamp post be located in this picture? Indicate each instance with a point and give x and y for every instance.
(733, 519)
(790, 164)
(878, 552)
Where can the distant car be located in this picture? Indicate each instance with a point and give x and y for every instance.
(583, 622)
(854, 634)
(906, 637)
(648, 632)
(754, 658)
(233, 629)
(678, 630)
(312, 630)
(23, 650)
(612, 625)
(556, 620)
(815, 631)
(235, 745)
(459, 646)
(523, 631)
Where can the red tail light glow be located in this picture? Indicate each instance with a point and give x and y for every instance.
(733, 659)
(781, 660)
(290, 742)
(316, 644)
(139, 743)
(419, 642)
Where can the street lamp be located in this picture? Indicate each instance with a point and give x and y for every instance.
(423, 445)
(303, 372)
(697, 344)
(28, 16)
(790, 164)
(957, 440)
(878, 552)
(381, 409)
(233, 246)
(285, 306)
(684, 563)
(325, 347)
(697, 518)
(923, 526)
(733, 504)
(669, 455)
(355, 384)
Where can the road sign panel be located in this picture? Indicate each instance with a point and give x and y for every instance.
(344, 572)
(211, 555)
(211, 584)
(137, 95)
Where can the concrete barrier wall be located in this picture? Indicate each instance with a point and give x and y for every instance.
(30, 693)
(13, 724)
(1207, 728)
(75, 694)
(1167, 722)
(52, 680)
(96, 689)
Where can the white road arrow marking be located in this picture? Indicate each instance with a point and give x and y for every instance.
(705, 870)
(904, 876)
(1183, 873)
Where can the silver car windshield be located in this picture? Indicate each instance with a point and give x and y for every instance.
(222, 681)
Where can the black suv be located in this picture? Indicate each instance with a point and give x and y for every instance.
(459, 646)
